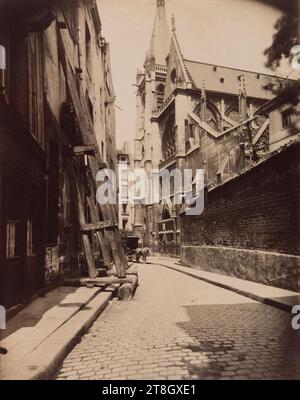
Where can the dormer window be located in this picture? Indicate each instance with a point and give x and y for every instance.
(174, 76)
(88, 49)
(160, 92)
(287, 118)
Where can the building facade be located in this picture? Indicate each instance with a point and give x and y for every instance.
(193, 115)
(40, 242)
(125, 206)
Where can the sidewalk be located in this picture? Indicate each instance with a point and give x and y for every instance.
(273, 296)
(39, 337)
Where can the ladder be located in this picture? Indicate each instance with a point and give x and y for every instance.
(106, 230)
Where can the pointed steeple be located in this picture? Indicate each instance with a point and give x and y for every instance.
(160, 40)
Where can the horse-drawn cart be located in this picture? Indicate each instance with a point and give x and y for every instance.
(131, 244)
(132, 249)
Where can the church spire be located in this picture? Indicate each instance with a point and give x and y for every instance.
(160, 40)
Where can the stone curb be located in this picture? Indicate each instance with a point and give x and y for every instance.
(44, 361)
(265, 300)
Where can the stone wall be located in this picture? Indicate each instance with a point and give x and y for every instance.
(250, 224)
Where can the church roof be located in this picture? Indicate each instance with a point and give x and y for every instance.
(160, 40)
(227, 80)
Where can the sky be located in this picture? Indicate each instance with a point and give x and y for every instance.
(232, 33)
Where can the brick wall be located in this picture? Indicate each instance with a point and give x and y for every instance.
(256, 210)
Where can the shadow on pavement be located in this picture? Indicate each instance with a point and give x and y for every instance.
(241, 341)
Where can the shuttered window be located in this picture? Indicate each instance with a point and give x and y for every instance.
(35, 87)
(12, 245)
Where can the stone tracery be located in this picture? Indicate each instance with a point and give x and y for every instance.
(169, 138)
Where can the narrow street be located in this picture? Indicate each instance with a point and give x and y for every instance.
(178, 327)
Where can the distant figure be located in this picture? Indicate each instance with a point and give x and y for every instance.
(143, 252)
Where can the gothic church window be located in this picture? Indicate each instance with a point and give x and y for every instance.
(160, 92)
(233, 114)
(190, 137)
(166, 213)
(211, 117)
(169, 139)
(287, 118)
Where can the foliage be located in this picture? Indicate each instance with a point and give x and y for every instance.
(283, 40)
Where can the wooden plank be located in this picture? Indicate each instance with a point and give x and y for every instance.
(82, 150)
(89, 137)
(81, 218)
(104, 248)
(102, 165)
(109, 280)
(103, 242)
(117, 253)
(98, 226)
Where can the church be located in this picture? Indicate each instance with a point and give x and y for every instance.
(193, 115)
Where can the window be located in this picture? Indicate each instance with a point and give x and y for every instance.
(123, 193)
(90, 107)
(17, 75)
(287, 118)
(112, 164)
(169, 139)
(70, 14)
(174, 76)
(160, 92)
(35, 87)
(12, 249)
(88, 49)
(30, 238)
(124, 206)
(234, 115)
(190, 136)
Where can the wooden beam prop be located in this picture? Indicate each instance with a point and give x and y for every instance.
(98, 226)
(89, 138)
(84, 150)
(81, 218)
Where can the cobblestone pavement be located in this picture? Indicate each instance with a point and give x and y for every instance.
(178, 327)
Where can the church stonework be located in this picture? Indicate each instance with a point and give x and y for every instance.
(192, 115)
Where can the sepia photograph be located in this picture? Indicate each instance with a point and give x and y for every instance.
(149, 194)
